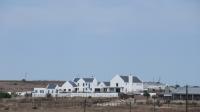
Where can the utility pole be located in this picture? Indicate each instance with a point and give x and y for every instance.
(186, 99)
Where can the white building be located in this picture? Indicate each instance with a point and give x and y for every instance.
(154, 86)
(86, 84)
(68, 86)
(39, 92)
(126, 84)
(118, 84)
(103, 87)
(51, 89)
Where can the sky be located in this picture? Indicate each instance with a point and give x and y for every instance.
(62, 39)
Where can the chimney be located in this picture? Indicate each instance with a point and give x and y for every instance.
(130, 78)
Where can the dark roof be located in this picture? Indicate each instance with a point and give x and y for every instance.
(182, 90)
(135, 79)
(73, 84)
(98, 83)
(107, 83)
(125, 78)
(88, 79)
(76, 79)
(51, 86)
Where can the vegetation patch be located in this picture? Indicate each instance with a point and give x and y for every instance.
(4, 95)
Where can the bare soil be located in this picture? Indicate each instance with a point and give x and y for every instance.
(91, 105)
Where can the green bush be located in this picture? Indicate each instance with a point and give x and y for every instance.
(4, 95)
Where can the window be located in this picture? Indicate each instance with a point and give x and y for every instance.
(117, 84)
(64, 90)
(86, 89)
(36, 91)
(69, 89)
(41, 91)
(83, 84)
(86, 84)
(78, 84)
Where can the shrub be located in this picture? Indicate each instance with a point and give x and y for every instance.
(34, 107)
(4, 95)
(49, 95)
(6, 108)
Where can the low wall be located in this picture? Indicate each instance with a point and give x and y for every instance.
(79, 95)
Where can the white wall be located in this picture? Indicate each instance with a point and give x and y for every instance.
(80, 86)
(117, 79)
(67, 87)
(39, 92)
(94, 84)
(88, 94)
(128, 87)
(88, 86)
(101, 85)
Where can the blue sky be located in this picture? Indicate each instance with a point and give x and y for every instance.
(59, 40)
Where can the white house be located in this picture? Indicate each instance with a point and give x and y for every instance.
(126, 84)
(103, 87)
(68, 86)
(86, 84)
(39, 92)
(52, 89)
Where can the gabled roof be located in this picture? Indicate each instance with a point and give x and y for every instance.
(135, 79)
(51, 86)
(76, 79)
(107, 83)
(88, 79)
(73, 84)
(125, 78)
(98, 83)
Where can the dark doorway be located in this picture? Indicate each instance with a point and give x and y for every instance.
(97, 90)
(118, 90)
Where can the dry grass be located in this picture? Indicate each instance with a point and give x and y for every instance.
(77, 105)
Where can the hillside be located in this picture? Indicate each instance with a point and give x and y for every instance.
(18, 85)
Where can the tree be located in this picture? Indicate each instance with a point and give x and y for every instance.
(23, 80)
(146, 94)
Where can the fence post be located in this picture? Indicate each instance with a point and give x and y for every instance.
(85, 105)
(154, 105)
(186, 99)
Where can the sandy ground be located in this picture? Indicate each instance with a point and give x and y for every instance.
(29, 107)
